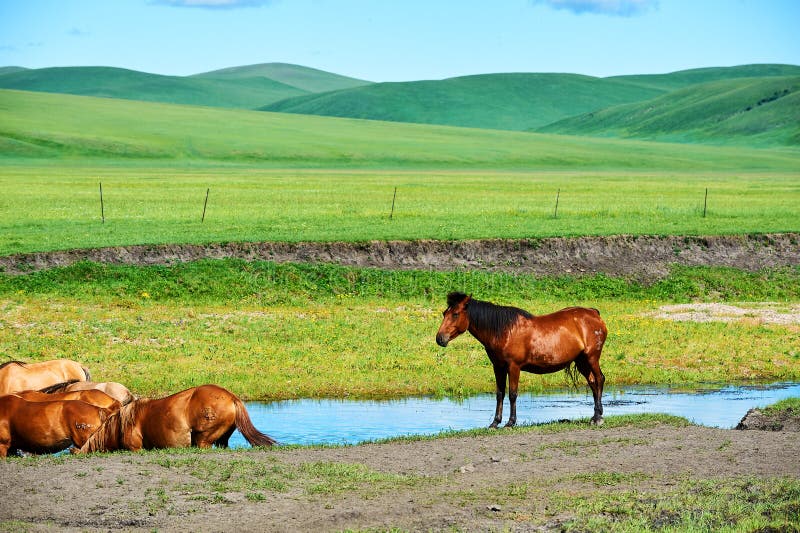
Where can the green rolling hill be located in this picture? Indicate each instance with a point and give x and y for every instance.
(112, 82)
(65, 127)
(685, 78)
(303, 78)
(752, 111)
(496, 101)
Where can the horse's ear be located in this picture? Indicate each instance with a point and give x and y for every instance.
(467, 299)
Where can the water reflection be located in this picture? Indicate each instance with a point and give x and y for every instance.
(354, 421)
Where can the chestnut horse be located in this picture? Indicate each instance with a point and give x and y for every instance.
(92, 396)
(17, 375)
(118, 391)
(200, 416)
(46, 427)
(517, 341)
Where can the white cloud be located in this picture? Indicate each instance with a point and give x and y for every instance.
(213, 4)
(621, 8)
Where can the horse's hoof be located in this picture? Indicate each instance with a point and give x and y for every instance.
(493, 425)
(510, 424)
(597, 421)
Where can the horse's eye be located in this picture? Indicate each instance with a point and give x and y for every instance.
(455, 315)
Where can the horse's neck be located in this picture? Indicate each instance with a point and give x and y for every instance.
(484, 336)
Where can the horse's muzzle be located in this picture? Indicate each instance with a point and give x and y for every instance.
(442, 340)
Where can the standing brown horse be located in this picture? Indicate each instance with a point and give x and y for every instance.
(515, 340)
(46, 427)
(17, 375)
(92, 396)
(200, 416)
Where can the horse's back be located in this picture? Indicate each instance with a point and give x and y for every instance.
(34, 376)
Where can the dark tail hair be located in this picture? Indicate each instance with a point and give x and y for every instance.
(571, 373)
(86, 373)
(59, 387)
(247, 429)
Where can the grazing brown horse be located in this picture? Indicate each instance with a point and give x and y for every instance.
(118, 391)
(200, 416)
(515, 340)
(92, 396)
(17, 375)
(46, 427)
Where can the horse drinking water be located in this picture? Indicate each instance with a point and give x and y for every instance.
(515, 341)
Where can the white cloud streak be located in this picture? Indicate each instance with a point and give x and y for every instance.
(619, 8)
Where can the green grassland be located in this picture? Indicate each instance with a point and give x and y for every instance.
(281, 177)
(270, 331)
(112, 82)
(499, 101)
(245, 87)
(304, 78)
(751, 111)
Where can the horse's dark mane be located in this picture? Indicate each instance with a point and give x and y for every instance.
(20, 363)
(58, 387)
(489, 317)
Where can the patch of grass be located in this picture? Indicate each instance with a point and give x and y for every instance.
(787, 404)
(335, 478)
(725, 504)
(220, 475)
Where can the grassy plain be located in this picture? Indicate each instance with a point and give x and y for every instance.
(270, 331)
(51, 207)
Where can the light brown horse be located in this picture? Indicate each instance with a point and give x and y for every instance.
(17, 375)
(118, 391)
(517, 341)
(92, 396)
(46, 427)
(201, 416)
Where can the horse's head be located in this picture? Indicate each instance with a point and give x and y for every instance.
(456, 318)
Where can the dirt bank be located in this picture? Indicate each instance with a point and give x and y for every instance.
(640, 257)
(519, 481)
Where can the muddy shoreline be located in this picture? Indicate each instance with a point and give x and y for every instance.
(509, 481)
(646, 258)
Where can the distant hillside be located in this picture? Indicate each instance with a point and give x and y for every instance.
(304, 78)
(497, 101)
(685, 78)
(80, 128)
(112, 82)
(9, 70)
(755, 111)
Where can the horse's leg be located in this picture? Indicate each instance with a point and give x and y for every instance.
(513, 387)
(600, 380)
(500, 373)
(589, 366)
(222, 442)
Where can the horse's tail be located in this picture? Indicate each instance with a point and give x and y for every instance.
(247, 429)
(86, 373)
(104, 435)
(572, 375)
(58, 387)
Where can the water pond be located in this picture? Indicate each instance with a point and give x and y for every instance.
(353, 421)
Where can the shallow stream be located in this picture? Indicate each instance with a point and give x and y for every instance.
(353, 421)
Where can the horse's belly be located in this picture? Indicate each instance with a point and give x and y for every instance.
(536, 369)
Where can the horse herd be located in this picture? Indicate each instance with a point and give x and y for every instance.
(50, 406)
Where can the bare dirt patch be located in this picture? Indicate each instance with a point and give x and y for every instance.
(754, 313)
(646, 258)
(512, 480)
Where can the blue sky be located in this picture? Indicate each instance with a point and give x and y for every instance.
(399, 40)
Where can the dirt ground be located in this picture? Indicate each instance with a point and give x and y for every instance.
(505, 481)
(644, 257)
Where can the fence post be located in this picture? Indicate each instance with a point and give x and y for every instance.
(102, 207)
(555, 211)
(391, 214)
(204, 206)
